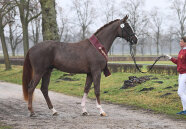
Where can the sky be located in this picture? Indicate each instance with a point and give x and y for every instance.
(162, 5)
(149, 4)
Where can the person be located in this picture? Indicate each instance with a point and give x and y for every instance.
(181, 68)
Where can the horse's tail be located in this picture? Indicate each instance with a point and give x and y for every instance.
(27, 76)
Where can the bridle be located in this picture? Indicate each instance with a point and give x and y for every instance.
(134, 59)
(129, 36)
(129, 39)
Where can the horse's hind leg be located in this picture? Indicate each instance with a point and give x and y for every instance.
(44, 90)
(86, 90)
(32, 85)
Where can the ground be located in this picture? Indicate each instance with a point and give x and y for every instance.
(13, 111)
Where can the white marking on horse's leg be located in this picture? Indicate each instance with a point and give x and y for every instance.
(53, 111)
(83, 102)
(101, 111)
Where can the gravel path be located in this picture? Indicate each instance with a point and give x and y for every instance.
(13, 111)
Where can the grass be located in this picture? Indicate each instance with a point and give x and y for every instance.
(3, 126)
(111, 92)
(13, 75)
(145, 62)
(128, 55)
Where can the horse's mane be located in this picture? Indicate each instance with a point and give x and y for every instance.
(105, 26)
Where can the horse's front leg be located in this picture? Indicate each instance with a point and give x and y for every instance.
(86, 90)
(96, 80)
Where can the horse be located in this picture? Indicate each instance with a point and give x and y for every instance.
(80, 57)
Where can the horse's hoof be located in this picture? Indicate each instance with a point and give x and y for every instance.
(55, 114)
(103, 114)
(85, 114)
(32, 114)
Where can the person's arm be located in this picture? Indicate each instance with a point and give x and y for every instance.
(174, 60)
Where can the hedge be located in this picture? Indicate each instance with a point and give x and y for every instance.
(119, 67)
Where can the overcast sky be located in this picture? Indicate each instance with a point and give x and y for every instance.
(149, 4)
(162, 5)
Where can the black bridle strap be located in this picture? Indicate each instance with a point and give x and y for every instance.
(132, 55)
(132, 52)
(129, 37)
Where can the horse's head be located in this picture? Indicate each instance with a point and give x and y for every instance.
(126, 32)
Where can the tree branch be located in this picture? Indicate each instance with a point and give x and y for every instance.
(34, 17)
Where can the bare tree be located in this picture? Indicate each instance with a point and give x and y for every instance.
(157, 27)
(109, 11)
(164, 44)
(123, 44)
(15, 37)
(26, 18)
(85, 15)
(149, 44)
(137, 17)
(179, 7)
(170, 36)
(63, 26)
(35, 23)
(141, 43)
(143, 40)
(5, 7)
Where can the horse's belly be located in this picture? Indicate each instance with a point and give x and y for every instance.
(73, 67)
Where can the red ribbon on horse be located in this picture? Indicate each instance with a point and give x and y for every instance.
(97, 44)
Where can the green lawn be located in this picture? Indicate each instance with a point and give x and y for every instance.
(3, 126)
(111, 92)
(145, 62)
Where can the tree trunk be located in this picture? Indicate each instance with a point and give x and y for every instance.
(11, 40)
(142, 47)
(49, 24)
(37, 36)
(11, 37)
(157, 41)
(112, 50)
(150, 50)
(25, 38)
(24, 12)
(170, 48)
(84, 28)
(122, 49)
(4, 47)
(13, 52)
(157, 45)
(134, 48)
(24, 28)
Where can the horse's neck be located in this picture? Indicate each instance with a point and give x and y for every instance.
(107, 35)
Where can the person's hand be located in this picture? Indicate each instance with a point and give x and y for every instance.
(168, 56)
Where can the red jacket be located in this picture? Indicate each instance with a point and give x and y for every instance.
(180, 61)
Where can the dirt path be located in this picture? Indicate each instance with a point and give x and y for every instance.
(13, 111)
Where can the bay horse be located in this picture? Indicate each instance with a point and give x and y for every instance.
(80, 57)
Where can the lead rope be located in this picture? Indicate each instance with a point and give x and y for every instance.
(132, 55)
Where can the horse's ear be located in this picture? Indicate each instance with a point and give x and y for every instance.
(125, 18)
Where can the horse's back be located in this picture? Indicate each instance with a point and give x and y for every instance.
(66, 57)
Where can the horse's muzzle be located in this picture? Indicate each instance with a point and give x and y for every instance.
(134, 40)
